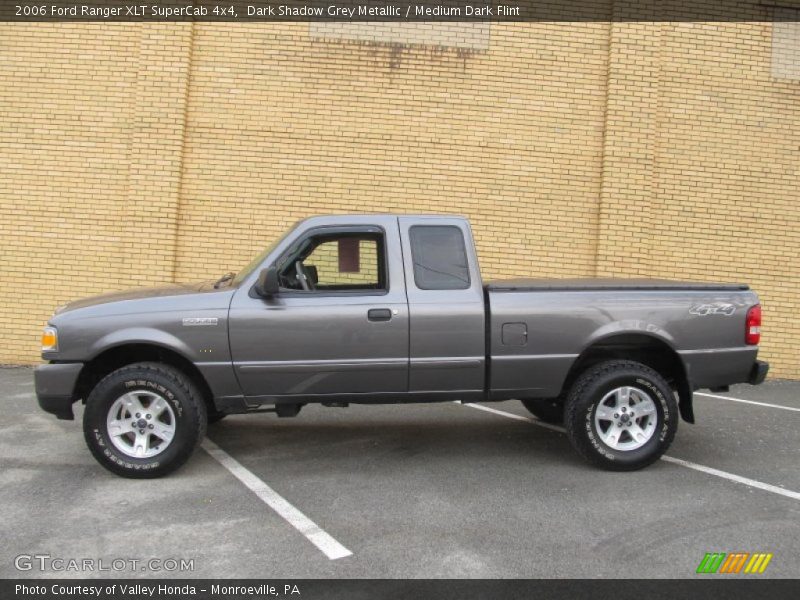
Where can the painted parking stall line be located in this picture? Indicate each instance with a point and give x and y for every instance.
(743, 401)
(509, 415)
(732, 477)
(767, 487)
(315, 534)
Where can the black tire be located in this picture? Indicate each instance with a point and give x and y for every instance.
(549, 410)
(588, 392)
(186, 405)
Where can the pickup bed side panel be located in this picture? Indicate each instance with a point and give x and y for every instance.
(536, 336)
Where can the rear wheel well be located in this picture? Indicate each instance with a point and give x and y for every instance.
(120, 356)
(645, 349)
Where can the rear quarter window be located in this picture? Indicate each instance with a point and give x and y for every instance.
(440, 257)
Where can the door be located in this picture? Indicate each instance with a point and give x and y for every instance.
(339, 324)
(446, 307)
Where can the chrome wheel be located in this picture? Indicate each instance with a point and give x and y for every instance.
(626, 418)
(141, 424)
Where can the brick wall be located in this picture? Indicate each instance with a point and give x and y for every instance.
(135, 154)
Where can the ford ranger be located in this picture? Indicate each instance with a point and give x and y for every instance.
(391, 309)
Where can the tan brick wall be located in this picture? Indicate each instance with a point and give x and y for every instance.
(703, 180)
(65, 107)
(141, 153)
(282, 126)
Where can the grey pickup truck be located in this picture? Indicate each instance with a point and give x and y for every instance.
(378, 309)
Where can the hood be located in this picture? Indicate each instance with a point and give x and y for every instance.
(140, 293)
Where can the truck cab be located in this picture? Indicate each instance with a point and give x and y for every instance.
(370, 307)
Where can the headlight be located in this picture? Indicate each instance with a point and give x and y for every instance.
(49, 339)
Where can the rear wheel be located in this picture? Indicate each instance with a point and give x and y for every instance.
(621, 415)
(549, 410)
(144, 420)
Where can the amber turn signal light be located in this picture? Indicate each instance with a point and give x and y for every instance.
(49, 339)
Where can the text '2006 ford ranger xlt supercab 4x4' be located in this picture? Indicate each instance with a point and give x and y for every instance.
(392, 309)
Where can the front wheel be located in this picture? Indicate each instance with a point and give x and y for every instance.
(144, 420)
(621, 415)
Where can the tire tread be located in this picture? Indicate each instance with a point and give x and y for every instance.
(191, 393)
(571, 420)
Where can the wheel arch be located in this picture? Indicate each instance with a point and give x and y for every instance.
(651, 350)
(118, 356)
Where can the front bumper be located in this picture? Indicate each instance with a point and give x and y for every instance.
(55, 387)
(758, 373)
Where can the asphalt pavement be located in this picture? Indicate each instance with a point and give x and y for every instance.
(405, 491)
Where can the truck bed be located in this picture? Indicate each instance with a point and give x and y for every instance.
(539, 327)
(607, 284)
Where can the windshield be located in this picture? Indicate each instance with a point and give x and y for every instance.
(254, 264)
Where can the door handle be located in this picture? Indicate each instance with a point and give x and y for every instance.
(379, 314)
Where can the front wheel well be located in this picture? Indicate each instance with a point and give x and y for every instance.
(645, 349)
(120, 356)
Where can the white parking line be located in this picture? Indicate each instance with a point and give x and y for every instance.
(317, 536)
(792, 408)
(676, 461)
(517, 417)
(731, 477)
(18, 396)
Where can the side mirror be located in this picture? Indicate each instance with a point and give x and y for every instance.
(267, 284)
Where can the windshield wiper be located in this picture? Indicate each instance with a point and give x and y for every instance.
(227, 277)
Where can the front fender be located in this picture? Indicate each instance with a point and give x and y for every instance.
(141, 335)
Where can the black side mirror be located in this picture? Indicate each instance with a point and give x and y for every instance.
(267, 284)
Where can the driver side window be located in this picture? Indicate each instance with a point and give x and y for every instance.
(337, 262)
